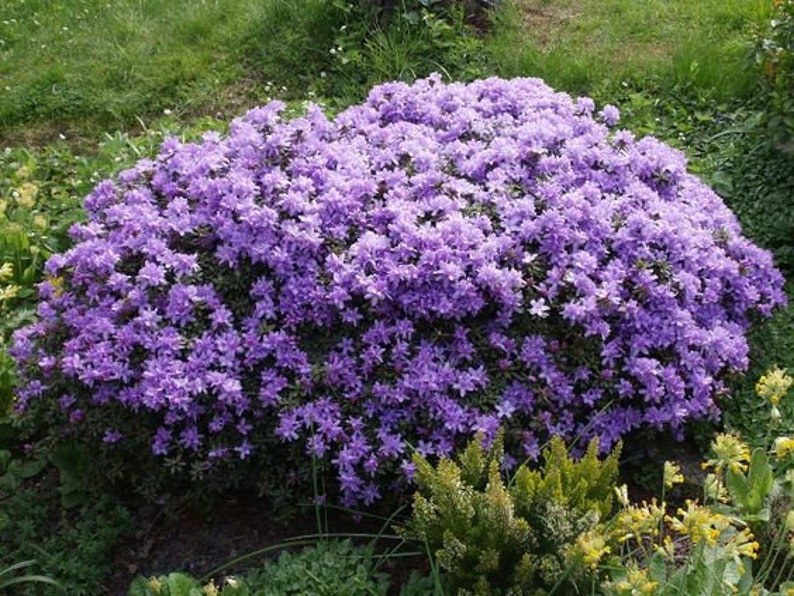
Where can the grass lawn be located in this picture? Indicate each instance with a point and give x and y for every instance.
(83, 67)
(579, 44)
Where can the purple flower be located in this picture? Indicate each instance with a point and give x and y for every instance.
(437, 261)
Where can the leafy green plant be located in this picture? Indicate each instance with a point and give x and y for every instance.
(13, 575)
(181, 584)
(486, 535)
(328, 568)
(775, 56)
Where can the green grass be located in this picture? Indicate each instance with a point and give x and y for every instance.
(78, 68)
(578, 44)
(81, 67)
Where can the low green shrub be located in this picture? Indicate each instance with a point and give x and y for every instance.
(491, 537)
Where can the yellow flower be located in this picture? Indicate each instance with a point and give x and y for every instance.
(622, 493)
(773, 386)
(715, 489)
(26, 194)
(783, 446)
(741, 544)
(6, 272)
(636, 581)
(637, 521)
(699, 523)
(8, 292)
(672, 474)
(730, 453)
(39, 221)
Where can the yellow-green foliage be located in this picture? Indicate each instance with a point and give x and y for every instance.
(584, 486)
(493, 538)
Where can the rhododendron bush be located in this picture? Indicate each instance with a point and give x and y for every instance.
(441, 260)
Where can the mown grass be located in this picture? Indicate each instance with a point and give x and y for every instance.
(578, 44)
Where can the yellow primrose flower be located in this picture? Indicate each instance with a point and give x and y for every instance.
(741, 544)
(672, 474)
(773, 385)
(666, 549)
(6, 271)
(783, 446)
(8, 292)
(730, 452)
(26, 195)
(715, 489)
(622, 494)
(635, 582)
(699, 523)
(637, 521)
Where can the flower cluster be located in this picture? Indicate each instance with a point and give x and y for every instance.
(441, 260)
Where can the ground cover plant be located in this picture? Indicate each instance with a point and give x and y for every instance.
(681, 72)
(475, 255)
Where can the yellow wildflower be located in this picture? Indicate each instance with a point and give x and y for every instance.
(637, 521)
(672, 474)
(636, 581)
(773, 385)
(211, 589)
(8, 292)
(666, 549)
(26, 195)
(6, 272)
(715, 489)
(39, 221)
(699, 523)
(783, 446)
(730, 453)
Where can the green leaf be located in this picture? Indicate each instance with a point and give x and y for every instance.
(657, 568)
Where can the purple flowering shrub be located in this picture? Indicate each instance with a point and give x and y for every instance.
(441, 260)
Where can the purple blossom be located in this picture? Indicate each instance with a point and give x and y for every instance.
(440, 260)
